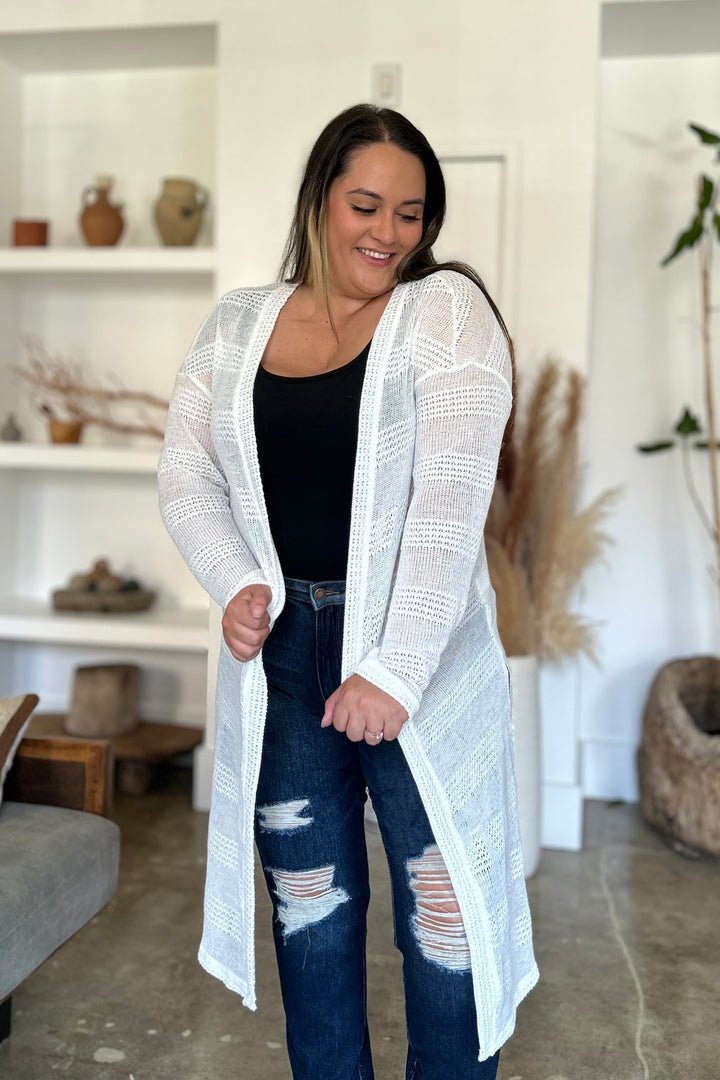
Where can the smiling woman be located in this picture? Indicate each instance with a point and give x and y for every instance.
(331, 451)
(372, 221)
(371, 228)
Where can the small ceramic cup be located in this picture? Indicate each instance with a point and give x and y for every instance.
(30, 233)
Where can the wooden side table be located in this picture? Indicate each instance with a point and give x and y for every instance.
(137, 754)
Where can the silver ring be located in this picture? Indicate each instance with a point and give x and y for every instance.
(376, 734)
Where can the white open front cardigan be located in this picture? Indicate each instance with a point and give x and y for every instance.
(419, 611)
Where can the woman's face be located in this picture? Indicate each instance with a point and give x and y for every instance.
(374, 218)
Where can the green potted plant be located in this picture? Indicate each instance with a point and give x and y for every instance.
(701, 233)
(679, 753)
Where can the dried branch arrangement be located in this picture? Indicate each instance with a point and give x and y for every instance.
(538, 543)
(60, 391)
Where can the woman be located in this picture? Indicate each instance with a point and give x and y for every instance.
(330, 455)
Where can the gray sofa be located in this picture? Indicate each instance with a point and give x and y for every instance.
(58, 863)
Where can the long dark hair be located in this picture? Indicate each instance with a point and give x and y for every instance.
(305, 257)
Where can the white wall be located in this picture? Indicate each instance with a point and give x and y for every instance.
(472, 72)
(656, 598)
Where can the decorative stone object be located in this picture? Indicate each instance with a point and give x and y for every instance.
(179, 211)
(679, 755)
(10, 432)
(101, 221)
(102, 591)
(28, 233)
(104, 701)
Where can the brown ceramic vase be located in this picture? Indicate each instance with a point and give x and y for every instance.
(179, 211)
(101, 221)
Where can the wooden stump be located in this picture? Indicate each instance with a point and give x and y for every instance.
(679, 755)
(104, 701)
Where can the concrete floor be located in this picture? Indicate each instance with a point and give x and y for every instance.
(627, 938)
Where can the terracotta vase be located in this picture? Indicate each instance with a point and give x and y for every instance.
(65, 431)
(179, 211)
(101, 221)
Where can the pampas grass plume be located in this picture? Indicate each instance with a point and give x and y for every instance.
(539, 544)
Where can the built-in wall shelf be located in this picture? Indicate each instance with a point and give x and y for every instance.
(78, 458)
(140, 100)
(119, 48)
(108, 260)
(174, 629)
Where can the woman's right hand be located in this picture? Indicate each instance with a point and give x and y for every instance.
(246, 622)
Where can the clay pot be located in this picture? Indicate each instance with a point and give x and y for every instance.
(30, 233)
(65, 431)
(179, 211)
(101, 221)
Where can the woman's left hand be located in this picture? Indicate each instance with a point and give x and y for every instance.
(359, 708)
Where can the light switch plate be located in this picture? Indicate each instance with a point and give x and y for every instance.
(386, 85)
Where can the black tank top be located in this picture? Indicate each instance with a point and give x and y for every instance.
(306, 430)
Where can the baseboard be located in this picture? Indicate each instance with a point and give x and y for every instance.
(203, 757)
(562, 817)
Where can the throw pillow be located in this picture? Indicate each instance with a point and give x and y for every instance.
(14, 718)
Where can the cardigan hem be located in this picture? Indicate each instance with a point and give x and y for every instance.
(524, 987)
(446, 838)
(219, 971)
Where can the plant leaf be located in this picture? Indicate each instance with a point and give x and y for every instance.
(705, 135)
(716, 219)
(687, 239)
(706, 193)
(688, 424)
(703, 444)
(652, 448)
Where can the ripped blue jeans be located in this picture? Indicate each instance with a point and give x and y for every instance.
(311, 840)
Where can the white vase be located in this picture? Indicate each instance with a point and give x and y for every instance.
(524, 676)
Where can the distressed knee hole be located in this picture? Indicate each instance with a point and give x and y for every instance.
(306, 897)
(285, 817)
(437, 923)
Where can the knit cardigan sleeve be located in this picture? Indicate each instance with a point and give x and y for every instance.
(194, 492)
(463, 396)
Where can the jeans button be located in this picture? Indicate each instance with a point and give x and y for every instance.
(319, 593)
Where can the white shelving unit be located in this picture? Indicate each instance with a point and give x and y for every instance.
(139, 103)
(77, 458)
(116, 260)
(182, 630)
